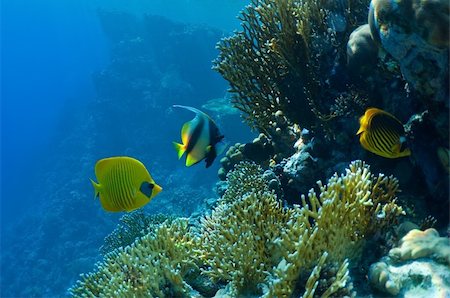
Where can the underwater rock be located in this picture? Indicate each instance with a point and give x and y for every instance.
(416, 34)
(426, 135)
(259, 150)
(299, 170)
(419, 267)
(362, 51)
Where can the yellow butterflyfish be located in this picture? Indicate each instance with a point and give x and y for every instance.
(383, 134)
(124, 184)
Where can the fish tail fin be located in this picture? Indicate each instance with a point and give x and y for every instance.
(179, 148)
(96, 188)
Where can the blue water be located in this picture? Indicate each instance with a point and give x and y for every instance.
(68, 99)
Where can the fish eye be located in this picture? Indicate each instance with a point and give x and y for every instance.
(147, 188)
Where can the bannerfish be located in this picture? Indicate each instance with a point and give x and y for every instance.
(201, 139)
(124, 184)
(383, 134)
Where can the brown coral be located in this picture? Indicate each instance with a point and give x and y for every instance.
(277, 61)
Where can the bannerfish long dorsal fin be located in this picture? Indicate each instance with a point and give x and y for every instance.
(197, 111)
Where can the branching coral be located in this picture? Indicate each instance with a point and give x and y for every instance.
(238, 239)
(153, 266)
(132, 226)
(246, 178)
(277, 61)
(337, 222)
(254, 244)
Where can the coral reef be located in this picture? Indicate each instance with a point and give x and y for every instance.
(284, 58)
(420, 266)
(281, 140)
(359, 201)
(132, 226)
(153, 266)
(254, 245)
(287, 70)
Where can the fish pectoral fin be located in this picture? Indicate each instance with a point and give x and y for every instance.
(96, 188)
(191, 160)
(220, 147)
(179, 148)
(361, 130)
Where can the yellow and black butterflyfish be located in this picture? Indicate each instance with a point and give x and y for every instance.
(124, 184)
(383, 134)
(201, 139)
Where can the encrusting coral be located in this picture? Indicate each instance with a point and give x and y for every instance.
(418, 244)
(420, 265)
(254, 244)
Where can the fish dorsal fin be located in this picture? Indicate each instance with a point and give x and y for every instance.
(196, 111)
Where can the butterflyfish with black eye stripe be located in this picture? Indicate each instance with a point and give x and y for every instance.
(124, 184)
(383, 134)
(201, 139)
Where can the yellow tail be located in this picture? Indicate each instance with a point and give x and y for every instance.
(179, 148)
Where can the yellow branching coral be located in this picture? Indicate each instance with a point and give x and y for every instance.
(132, 225)
(254, 244)
(336, 222)
(277, 61)
(153, 266)
(238, 240)
(244, 179)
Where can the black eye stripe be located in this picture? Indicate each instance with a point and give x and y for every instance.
(147, 188)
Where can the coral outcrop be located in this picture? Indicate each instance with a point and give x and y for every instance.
(362, 51)
(416, 34)
(419, 266)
